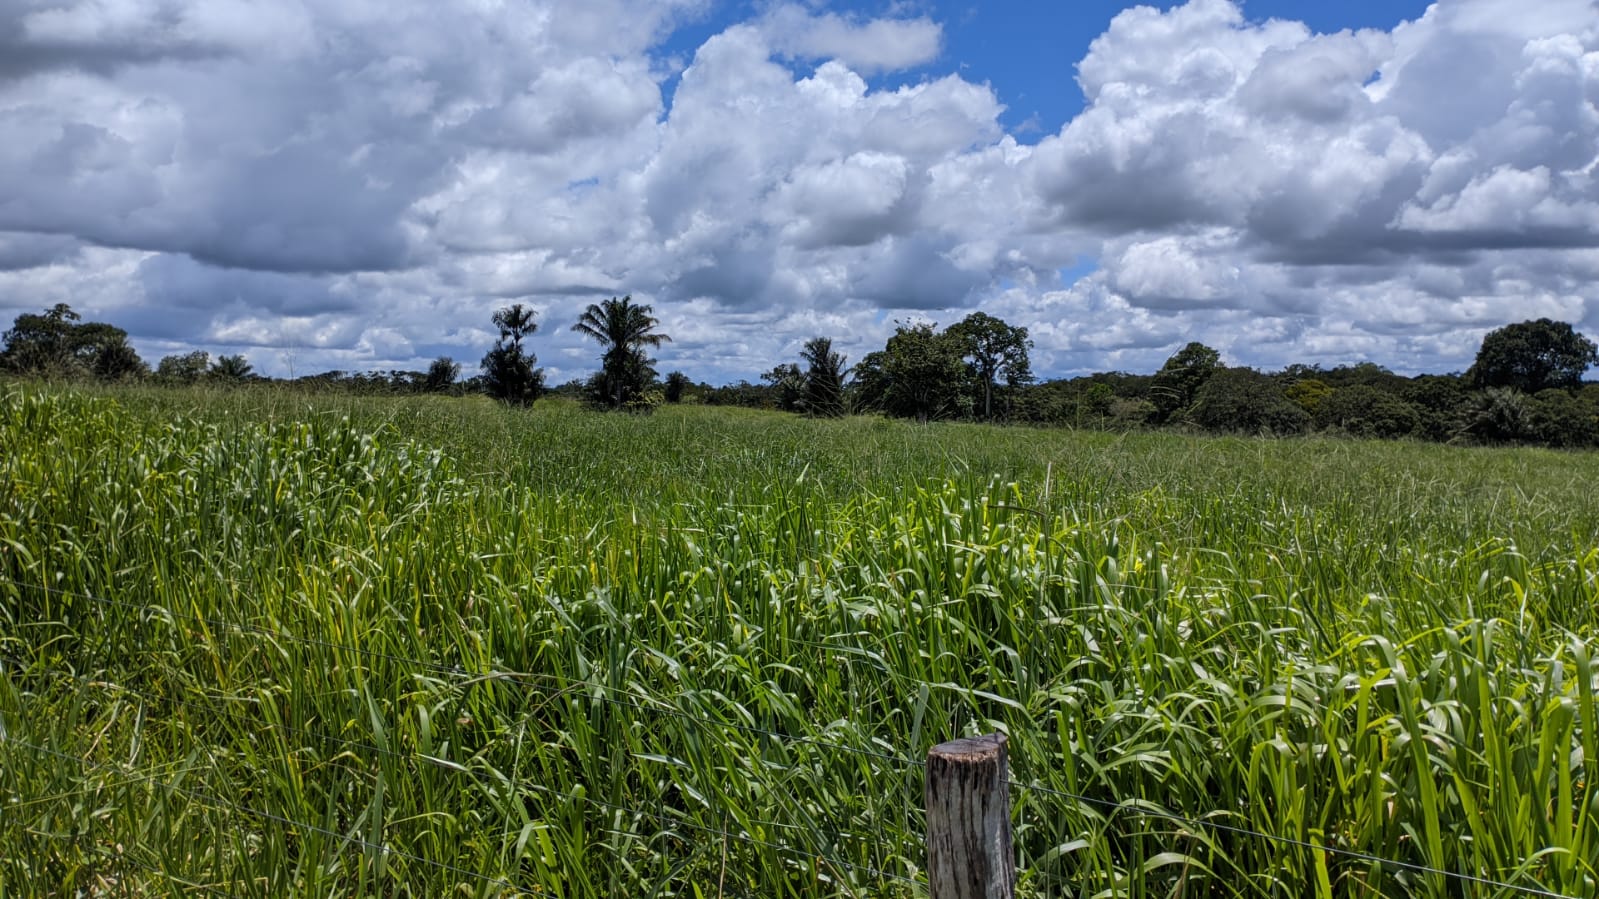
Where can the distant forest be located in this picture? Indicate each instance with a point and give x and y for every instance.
(1526, 385)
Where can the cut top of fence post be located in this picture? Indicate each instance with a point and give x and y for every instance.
(971, 749)
(969, 854)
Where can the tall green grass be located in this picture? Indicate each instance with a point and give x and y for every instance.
(266, 644)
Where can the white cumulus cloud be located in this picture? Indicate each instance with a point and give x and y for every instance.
(869, 45)
(359, 184)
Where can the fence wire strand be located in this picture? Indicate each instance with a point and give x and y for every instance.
(457, 768)
(101, 851)
(567, 686)
(218, 803)
(1192, 824)
(471, 677)
(221, 804)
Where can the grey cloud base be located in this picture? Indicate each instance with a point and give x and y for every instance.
(335, 185)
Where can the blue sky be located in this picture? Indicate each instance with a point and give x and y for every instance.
(332, 184)
(1029, 51)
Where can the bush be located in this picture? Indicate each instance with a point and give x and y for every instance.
(1442, 405)
(1365, 411)
(1499, 415)
(1308, 393)
(1557, 417)
(1127, 413)
(1242, 400)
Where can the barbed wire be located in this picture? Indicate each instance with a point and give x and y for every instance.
(457, 670)
(460, 769)
(1193, 824)
(186, 883)
(100, 851)
(885, 875)
(504, 675)
(446, 764)
(565, 685)
(672, 821)
(223, 804)
(163, 612)
(569, 686)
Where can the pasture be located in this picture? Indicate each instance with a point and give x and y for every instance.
(259, 643)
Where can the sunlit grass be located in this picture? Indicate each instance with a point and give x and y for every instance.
(437, 647)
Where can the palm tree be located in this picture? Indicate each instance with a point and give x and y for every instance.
(515, 322)
(677, 384)
(508, 371)
(623, 329)
(232, 369)
(824, 378)
(1499, 415)
(118, 361)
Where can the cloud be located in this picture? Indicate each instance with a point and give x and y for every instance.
(22, 250)
(586, 98)
(102, 38)
(185, 286)
(1327, 147)
(868, 46)
(1175, 273)
(298, 137)
(1507, 201)
(853, 201)
(1330, 179)
(356, 184)
(771, 187)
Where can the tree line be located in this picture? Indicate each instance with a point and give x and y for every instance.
(1525, 385)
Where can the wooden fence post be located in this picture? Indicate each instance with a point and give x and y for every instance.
(969, 854)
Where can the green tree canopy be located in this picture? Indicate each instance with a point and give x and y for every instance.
(1533, 356)
(1175, 387)
(1308, 393)
(1361, 410)
(116, 360)
(183, 368)
(1561, 418)
(677, 385)
(1442, 404)
(509, 372)
(42, 343)
(824, 379)
(868, 382)
(441, 375)
(1499, 415)
(58, 343)
(231, 369)
(1244, 401)
(623, 329)
(786, 386)
(996, 352)
(924, 374)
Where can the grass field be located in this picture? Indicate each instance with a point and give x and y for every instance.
(266, 644)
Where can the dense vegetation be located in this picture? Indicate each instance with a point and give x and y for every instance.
(439, 646)
(1525, 386)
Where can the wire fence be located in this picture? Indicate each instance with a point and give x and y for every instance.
(131, 775)
(220, 803)
(608, 695)
(622, 699)
(347, 744)
(1193, 825)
